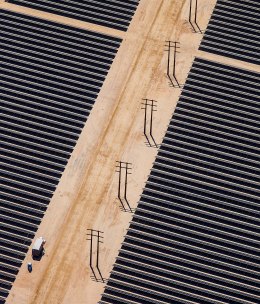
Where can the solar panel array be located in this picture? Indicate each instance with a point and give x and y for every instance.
(195, 235)
(116, 14)
(234, 30)
(50, 75)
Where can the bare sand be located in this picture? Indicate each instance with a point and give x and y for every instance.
(86, 195)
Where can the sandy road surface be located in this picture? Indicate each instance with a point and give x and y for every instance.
(86, 195)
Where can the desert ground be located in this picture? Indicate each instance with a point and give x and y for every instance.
(86, 196)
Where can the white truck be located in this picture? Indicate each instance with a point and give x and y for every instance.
(38, 249)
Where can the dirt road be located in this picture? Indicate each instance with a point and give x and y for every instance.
(86, 195)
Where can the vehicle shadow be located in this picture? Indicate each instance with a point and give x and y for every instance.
(39, 257)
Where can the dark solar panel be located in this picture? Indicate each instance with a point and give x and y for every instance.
(195, 235)
(233, 30)
(116, 14)
(50, 77)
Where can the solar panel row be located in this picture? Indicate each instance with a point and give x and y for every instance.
(195, 235)
(50, 77)
(233, 30)
(116, 14)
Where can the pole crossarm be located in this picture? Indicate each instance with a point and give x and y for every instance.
(95, 236)
(172, 46)
(149, 105)
(123, 170)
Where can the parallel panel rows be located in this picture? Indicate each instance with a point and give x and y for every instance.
(116, 14)
(50, 77)
(195, 235)
(233, 30)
